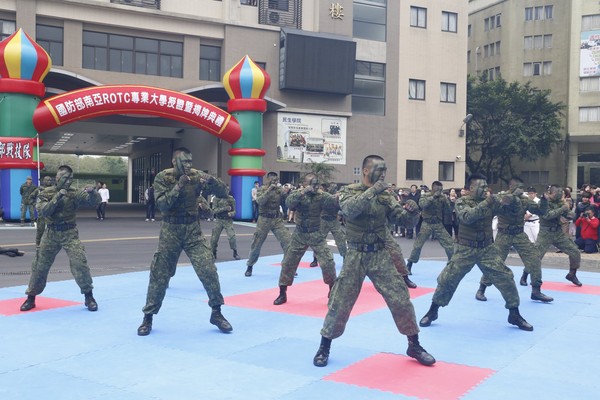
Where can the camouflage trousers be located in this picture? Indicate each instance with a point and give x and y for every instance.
(396, 254)
(221, 224)
(526, 250)
(441, 234)
(335, 227)
(39, 230)
(298, 245)
(24, 209)
(52, 242)
(386, 279)
(263, 226)
(561, 242)
(488, 261)
(173, 239)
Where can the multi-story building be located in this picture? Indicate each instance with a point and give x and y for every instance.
(553, 44)
(400, 102)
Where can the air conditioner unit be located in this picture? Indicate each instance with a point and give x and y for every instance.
(274, 17)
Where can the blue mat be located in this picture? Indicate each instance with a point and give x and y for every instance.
(71, 353)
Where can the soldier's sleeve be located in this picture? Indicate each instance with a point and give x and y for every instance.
(402, 216)
(262, 195)
(92, 198)
(214, 185)
(165, 197)
(426, 201)
(47, 203)
(21, 190)
(203, 203)
(468, 215)
(293, 200)
(222, 206)
(329, 201)
(552, 213)
(231, 202)
(537, 208)
(354, 202)
(33, 196)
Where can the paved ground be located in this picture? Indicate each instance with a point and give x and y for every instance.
(62, 351)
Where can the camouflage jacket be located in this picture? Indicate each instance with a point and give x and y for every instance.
(183, 202)
(224, 208)
(556, 210)
(514, 216)
(308, 207)
(434, 207)
(26, 192)
(367, 214)
(475, 218)
(269, 200)
(62, 210)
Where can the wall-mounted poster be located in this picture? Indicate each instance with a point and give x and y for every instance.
(589, 54)
(304, 138)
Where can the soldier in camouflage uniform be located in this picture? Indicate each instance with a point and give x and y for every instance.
(40, 222)
(223, 211)
(27, 203)
(308, 204)
(268, 198)
(433, 205)
(475, 246)
(511, 233)
(392, 246)
(331, 223)
(176, 191)
(366, 207)
(57, 205)
(551, 232)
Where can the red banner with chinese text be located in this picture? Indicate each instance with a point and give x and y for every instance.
(134, 99)
(17, 151)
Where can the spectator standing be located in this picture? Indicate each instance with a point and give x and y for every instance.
(105, 195)
(532, 221)
(588, 242)
(27, 204)
(254, 203)
(150, 203)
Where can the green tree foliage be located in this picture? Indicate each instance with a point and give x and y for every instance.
(105, 165)
(325, 172)
(511, 121)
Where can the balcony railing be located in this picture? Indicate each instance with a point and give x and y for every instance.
(280, 13)
(154, 4)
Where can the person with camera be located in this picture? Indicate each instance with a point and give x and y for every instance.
(588, 223)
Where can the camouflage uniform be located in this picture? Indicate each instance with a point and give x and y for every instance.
(366, 229)
(180, 231)
(61, 232)
(392, 246)
(432, 210)
(551, 233)
(511, 233)
(330, 223)
(308, 209)
(269, 219)
(475, 247)
(223, 210)
(27, 202)
(41, 221)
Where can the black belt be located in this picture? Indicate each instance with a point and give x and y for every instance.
(61, 227)
(511, 230)
(478, 244)
(366, 248)
(531, 220)
(308, 229)
(551, 228)
(180, 219)
(222, 216)
(269, 215)
(329, 217)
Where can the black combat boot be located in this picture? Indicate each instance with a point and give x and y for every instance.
(314, 262)
(29, 304)
(431, 315)
(282, 298)
(90, 302)
(417, 352)
(217, 319)
(322, 356)
(235, 255)
(523, 281)
(480, 295)
(248, 271)
(409, 267)
(571, 276)
(514, 318)
(215, 254)
(146, 326)
(408, 282)
(536, 294)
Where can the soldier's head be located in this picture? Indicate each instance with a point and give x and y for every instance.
(311, 179)
(64, 177)
(555, 192)
(182, 161)
(333, 188)
(478, 185)
(373, 169)
(272, 178)
(437, 187)
(28, 180)
(47, 181)
(515, 183)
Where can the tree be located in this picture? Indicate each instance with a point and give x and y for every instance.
(324, 172)
(511, 121)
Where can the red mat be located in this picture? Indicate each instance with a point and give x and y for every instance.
(302, 264)
(569, 287)
(12, 306)
(310, 299)
(404, 375)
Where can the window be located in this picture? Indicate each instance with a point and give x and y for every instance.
(589, 114)
(537, 42)
(281, 5)
(498, 48)
(370, 19)
(468, 56)
(7, 28)
(449, 21)
(109, 52)
(498, 20)
(356, 171)
(416, 89)
(448, 92)
(537, 68)
(547, 67)
(590, 22)
(210, 63)
(539, 13)
(469, 30)
(369, 88)
(51, 39)
(589, 84)
(486, 24)
(528, 13)
(418, 17)
(548, 12)
(446, 171)
(414, 170)
(486, 51)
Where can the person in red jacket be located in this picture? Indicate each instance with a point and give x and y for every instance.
(588, 223)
